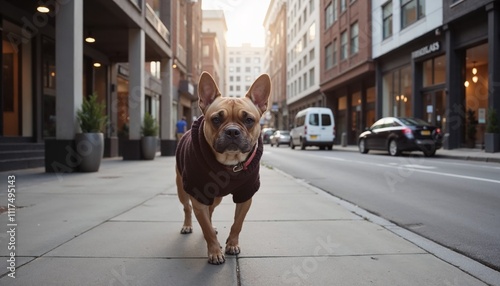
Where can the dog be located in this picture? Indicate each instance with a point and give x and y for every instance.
(220, 155)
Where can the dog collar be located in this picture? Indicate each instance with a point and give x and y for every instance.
(244, 165)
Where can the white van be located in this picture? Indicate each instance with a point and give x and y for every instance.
(313, 126)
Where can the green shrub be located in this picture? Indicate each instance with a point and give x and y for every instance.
(149, 125)
(91, 116)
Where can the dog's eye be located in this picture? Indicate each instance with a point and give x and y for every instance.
(249, 121)
(216, 120)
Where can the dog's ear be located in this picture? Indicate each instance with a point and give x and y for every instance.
(207, 91)
(259, 92)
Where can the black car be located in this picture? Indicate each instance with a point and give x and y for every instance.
(398, 134)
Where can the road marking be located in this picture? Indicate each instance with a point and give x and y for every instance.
(458, 176)
(418, 166)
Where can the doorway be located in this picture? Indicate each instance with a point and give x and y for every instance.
(434, 105)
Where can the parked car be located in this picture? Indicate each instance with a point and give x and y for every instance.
(266, 135)
(280, 137)
(313, 126)
(398, 134)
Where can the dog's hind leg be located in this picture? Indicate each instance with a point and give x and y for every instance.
(187, 227)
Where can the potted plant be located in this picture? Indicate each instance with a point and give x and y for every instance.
(492, 136)
(90, 143)
(149, 132)
(471, 128)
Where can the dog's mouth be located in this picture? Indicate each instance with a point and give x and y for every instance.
(223, 146)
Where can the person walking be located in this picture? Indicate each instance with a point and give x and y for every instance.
(181, 127)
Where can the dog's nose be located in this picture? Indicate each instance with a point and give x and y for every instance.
(233, 133)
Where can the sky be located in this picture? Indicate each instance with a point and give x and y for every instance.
(244, 20)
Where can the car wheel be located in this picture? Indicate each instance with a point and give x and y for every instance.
(393, 148)
(302, 144)
(330, 147)
(362, 147)
(292, 145)
(430, 153)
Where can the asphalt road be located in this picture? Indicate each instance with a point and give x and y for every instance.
(454, 203)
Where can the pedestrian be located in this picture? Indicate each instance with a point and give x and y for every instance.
(181, 127)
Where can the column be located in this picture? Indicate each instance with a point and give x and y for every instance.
(494, 56)
(168, 141)
(60, 154)
(455, 110)
(111, 145)
(136, 60)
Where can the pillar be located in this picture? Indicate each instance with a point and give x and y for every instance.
(136, 61)
(60, 154)
(168, 141)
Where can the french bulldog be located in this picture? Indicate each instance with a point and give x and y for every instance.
(220, 155)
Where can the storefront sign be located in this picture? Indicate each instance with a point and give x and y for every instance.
(434, 47)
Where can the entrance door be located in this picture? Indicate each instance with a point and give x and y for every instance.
(434, 105)
(10, 88)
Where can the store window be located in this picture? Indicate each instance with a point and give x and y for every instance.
(397, 94)
(434, 71)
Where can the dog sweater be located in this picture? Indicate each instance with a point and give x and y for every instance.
(204, 178)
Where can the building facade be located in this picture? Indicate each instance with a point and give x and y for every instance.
(186, 47)
(434, 61)
(275, 62)
(347, 69)
(214, 22)
(132, 54)
(245, 64)
(303, 56)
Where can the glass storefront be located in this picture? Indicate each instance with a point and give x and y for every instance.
(476, 91)
(397, 94)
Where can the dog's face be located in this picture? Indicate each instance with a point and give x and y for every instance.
(232, 125)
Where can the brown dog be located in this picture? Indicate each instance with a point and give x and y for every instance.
(220, 155)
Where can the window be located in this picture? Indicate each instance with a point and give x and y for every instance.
(231, 78)
(434, 71)
(238, 60)
(248, 60)
(238, 78)
(343, 5)
(329, 16)
(312, 32)
(387, 20)
(334, 52)
(248, 69)
(238, 88)
(206, 50)
(311, 6)
(304, 79)
(231, 60)
(354, 38)
(311, 77)
(411, 11)
(328, 57)
(343, 45)
(311, 54)
(231, 88)
(238, 69)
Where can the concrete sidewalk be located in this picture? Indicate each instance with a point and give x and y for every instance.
(120, 226)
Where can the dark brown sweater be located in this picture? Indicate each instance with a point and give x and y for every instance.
(204, 178)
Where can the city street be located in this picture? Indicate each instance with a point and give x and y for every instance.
(452, 202)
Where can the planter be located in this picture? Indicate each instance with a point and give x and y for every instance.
(90, 148)
(148, 147)
(491, 142)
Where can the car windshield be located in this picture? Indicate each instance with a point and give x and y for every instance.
(413, 122)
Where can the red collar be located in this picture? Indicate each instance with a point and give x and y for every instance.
(244, 165)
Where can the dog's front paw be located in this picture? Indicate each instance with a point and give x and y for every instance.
(233, 249)
(186, 229)
(216, 257)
